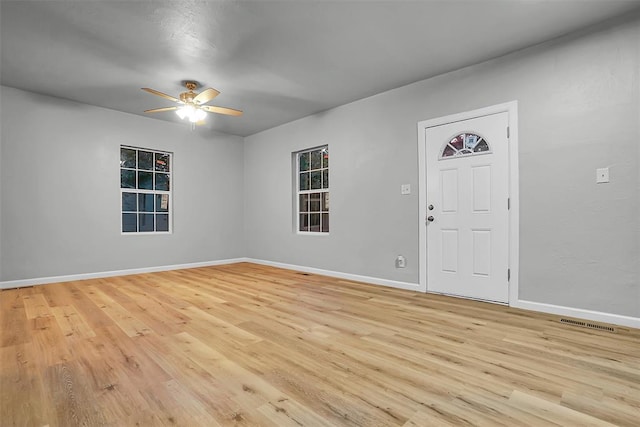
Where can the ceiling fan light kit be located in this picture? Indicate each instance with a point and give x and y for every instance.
(193, 113)
(191, 104)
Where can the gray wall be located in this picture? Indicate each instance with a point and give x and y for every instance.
(60, 194)
(579, 109)
(1, 127)
(579, 105)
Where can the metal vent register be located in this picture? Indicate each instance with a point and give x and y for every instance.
(587, 325)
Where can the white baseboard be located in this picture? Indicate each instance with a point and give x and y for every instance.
(596, 316)
(9, 284)
(339, 275)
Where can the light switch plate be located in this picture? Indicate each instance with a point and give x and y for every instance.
(602, 175)
(405, 189)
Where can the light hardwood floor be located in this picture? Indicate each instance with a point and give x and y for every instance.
(245, 344)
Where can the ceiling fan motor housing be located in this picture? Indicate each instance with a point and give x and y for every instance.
(187, 97)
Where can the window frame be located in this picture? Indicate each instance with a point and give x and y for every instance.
(153, 191)
(320, 191)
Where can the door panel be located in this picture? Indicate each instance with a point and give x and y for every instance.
(482, 188)
(450, 251)
(468, 239)
(481, 252)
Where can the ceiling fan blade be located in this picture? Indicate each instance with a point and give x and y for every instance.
(221, 110)
(158, 110)
(164, 95)
(206, 96)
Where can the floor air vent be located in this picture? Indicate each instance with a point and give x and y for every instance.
(587, 325)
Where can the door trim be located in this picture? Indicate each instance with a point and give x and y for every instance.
(514, 212)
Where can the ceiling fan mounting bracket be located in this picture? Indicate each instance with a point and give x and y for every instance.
(191, 84)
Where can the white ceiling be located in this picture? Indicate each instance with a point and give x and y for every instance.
(276, 60)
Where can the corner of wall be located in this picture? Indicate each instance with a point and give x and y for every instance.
(1, 180)
(245, 238)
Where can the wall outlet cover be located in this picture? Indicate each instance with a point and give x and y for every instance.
(602, 175)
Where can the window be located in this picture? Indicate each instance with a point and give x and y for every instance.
(145, 190)
(465, 144)
(312, 176)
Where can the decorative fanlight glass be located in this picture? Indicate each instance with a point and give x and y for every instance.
(465, 144)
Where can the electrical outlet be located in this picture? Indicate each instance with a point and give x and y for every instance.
(602, 175)
(401, 262)
(405, 189)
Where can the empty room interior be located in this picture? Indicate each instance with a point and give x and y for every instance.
(320, 213)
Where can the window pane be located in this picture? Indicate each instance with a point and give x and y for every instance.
(162, 162)
(482, 146)
(316, 159)
(471, 140)
(325, 157)
(146, 222)
(304, 181)
(162, 182)
(127, 179)
(325, 222)
(304, 222)
(448, 151)
(314, 202)
(162, 222)
(304, 203)
(314, 222)
(304, 161)
(145, 202)
(127, 158)
(145, 160)
(325, 202)
(162, 203)
(316, 180)
(145, 180)
(325, 178)
(457, 142)
(129, 202)
(129, 222)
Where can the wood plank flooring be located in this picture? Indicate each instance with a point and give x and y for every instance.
(251, 345)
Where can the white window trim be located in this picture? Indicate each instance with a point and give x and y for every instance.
(143, 191)
(298, 192)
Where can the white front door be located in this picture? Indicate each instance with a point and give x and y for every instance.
(467, 184)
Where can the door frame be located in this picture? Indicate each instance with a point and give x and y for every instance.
(514, 212)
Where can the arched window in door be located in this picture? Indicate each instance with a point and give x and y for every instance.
(465, 144)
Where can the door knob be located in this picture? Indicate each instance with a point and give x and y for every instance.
(430, 207)
(430, 218)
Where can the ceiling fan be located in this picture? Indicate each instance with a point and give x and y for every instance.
(191, 104)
